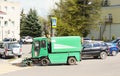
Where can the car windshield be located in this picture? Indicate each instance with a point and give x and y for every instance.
(13, 45)
(115, 41)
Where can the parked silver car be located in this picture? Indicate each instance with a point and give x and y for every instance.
(10, 49)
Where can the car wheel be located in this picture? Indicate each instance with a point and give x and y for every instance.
(114, 53)
(103, 55)
(29, 64)
(44, 62)
(19, 56)
(71, 61)
(0, 55)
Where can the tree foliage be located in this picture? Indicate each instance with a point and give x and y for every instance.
(30, 25)
(76, 17)
(22, 22)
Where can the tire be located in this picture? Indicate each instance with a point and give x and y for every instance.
(71, 61)
(0, 55)
(19, 56)
(44, 62)
(103, 55)
(114, 53)
(29, 64)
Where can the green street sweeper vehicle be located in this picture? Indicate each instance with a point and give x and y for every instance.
(55, 50)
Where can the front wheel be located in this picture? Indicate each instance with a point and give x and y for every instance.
(19, 56)
(114, 53)
(44, 62)
(103, 55)
(71, 61)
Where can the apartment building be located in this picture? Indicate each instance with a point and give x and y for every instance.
(9, 20)
(105, 29)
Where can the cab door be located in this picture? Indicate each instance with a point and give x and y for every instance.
(43, 48)
(39, 48)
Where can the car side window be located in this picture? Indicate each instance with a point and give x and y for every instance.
(88, 46)
(96, 45)
(37, 46)
(1, 46)
(43, 44)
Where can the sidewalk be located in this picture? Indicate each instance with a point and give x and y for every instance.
(6, 67)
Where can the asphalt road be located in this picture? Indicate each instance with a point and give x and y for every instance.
(87, 67)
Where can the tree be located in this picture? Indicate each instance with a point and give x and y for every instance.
(45, 25)
(32, 27)
(22, 22)
(76, 17)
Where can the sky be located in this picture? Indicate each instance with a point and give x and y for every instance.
(43, 7)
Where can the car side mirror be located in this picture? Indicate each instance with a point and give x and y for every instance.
(83, 47)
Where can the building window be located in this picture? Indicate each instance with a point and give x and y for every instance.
(0, 23)
(8, 31)
(6, 8)
(105, 3)
(13, 23)
(0, 8)
(13, 8)
(6, 23)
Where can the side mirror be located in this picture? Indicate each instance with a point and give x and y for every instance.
(83, 47)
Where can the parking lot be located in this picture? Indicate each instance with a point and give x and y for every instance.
(88, 66)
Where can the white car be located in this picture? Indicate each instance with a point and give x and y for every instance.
(27, 39)
(10, 49)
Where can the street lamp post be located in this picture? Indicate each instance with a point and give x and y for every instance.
(53, 21)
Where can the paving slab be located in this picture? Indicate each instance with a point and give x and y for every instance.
(7, 66)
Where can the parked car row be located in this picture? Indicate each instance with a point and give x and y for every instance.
(8, 49)
(99, 49)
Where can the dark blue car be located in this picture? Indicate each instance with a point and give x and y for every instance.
(113, 49)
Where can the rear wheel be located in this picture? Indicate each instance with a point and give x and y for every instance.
(19, 56)
(29, 64)
(44, 62)
(114, 53)
(103, 55)
(71, 61)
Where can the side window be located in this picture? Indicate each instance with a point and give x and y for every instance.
(43, 44)
(88, 46)
(37, 46)
(96, 45)
(1, 46)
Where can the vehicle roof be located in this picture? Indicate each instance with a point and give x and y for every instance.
(8, 42)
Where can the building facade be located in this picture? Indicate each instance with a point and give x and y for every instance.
(9, 20)
(109, 25)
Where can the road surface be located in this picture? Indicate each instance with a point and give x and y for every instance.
(87, 67)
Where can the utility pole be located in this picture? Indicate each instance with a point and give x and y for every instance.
(110, 19)
(53, 26)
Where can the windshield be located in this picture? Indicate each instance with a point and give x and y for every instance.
(115, 41)
(12, 45)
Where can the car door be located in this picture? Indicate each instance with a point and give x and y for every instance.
(96, 48)
(87, 49)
